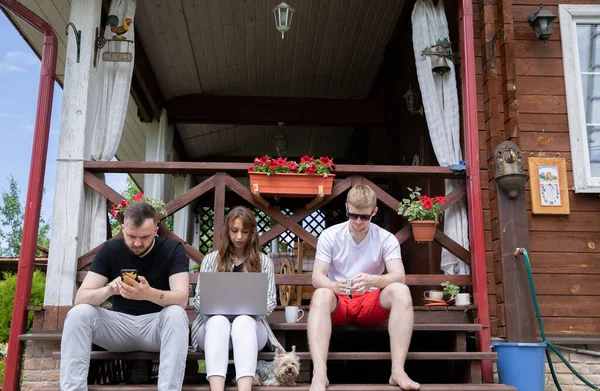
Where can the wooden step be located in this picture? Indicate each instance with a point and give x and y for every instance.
(454, 356)
(305, 279)
(352, 327)
(440, 327)
(305, 387)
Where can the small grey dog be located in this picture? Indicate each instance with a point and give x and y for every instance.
(282, 371)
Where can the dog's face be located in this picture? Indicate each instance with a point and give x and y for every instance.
(287, 365)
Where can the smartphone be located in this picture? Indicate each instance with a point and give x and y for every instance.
(131, 273)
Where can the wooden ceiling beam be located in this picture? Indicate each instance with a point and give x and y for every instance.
(251, 110)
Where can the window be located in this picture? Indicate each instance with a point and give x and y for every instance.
(580, 35)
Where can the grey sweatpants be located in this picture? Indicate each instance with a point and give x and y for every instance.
(166, 332)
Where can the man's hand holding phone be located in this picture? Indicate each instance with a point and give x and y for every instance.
(132, 286)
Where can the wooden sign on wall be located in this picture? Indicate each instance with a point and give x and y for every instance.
(549, 191)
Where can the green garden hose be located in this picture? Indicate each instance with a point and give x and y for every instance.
(549, 344)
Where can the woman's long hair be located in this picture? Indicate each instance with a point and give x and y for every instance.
(252, 262)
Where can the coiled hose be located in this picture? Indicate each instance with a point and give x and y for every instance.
(549, 344)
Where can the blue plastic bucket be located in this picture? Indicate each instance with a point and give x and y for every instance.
(521, 365)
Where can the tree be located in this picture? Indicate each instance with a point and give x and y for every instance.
(12, 214)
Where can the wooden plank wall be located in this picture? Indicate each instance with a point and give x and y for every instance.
(564, 250)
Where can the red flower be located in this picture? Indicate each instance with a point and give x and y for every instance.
(138, 196)
(256, 161)
(113, 210)
(427, 204)
(264, 159)
(333, 165)
(423, 198)
(281, 162)
(305, 159)
(293, 166)
(273, 164)
(326, 161)
(311, 169)
(440, 199)
(250, 169)
(123, 203)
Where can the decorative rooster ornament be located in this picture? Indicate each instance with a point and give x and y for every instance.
(113, 22)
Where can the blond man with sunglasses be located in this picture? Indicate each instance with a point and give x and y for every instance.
(351, 287)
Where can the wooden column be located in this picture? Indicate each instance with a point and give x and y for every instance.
(69, 200)
(515, 304)
(182, 219)
(159, 142)
(219, 209)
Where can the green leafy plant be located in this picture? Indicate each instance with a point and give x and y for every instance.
(307, 165)
(7, 299)
(421, 207)
(450, 289)
(158, 205)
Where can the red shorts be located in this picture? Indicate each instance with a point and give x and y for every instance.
(364, 310)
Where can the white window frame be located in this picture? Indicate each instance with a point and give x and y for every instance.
(570, 15)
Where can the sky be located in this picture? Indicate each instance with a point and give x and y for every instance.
(19, 83)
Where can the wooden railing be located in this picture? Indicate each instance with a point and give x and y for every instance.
(220, 179)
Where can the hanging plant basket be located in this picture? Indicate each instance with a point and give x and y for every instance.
(290, 184)
(423, 230)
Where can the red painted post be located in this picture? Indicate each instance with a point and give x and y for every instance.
(475, 206)
(12, 374)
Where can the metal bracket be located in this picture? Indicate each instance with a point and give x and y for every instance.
(77, 37)
(493, 39)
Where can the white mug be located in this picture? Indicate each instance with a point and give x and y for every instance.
(437, 295)
(291, 314)
(462, 299)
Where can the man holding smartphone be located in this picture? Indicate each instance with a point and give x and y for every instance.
(351, 287)
(148, 311)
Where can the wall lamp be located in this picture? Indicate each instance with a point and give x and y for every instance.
(542, 22)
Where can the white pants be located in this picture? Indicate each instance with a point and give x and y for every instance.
(218, 335)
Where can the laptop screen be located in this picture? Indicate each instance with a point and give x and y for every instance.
(233, 293)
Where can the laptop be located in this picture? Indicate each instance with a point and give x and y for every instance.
(233, 293)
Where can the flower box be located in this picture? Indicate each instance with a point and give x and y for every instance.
(290, 184)
(423, 230)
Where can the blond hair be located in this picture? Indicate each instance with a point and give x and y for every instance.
(362, 197)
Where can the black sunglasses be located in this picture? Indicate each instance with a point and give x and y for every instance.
(354, 216)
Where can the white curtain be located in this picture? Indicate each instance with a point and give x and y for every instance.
(440, 101)
(107, 109)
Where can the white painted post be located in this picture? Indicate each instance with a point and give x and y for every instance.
(68, 195)
(182, 219)
(157, 146)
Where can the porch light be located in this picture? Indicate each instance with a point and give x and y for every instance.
(542, 22)
(413, 101)
(281, 141)
(283, 17)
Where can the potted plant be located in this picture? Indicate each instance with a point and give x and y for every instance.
(450, 289)
(423, 212)
(287, 178)
(117, 210)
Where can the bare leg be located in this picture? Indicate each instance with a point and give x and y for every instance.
(319, 333)
(396, 298)
(217, 383)
(245, 383)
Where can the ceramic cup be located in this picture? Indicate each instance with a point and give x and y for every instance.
(462, 299)
(438, 295)
(291, 314)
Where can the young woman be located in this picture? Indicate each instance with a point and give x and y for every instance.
(216, 335)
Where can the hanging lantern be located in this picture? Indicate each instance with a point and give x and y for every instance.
(542, 22)
(283, 17)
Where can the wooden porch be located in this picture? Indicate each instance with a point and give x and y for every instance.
(442, 335)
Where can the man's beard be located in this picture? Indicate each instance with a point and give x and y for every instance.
(142, 253)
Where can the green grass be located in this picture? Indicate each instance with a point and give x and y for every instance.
(202, 366)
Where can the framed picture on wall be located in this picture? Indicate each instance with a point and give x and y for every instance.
(549, 191)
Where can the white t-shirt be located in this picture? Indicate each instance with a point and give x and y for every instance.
(347, 259)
